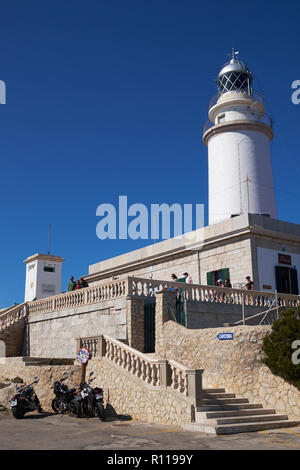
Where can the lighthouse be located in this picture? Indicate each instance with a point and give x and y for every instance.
(238, 136)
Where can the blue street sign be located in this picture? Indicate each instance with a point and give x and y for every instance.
(225, 336)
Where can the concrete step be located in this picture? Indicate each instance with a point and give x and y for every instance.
(238, 428)
(214, 396)
(242, 419)
(228, 407)
(224, 414)
(221, 401)
(214, 390)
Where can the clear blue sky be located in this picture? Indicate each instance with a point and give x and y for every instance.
(108, 98)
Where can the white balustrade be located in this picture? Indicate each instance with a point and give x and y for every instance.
(214, 294)
(11, 316)
(148, 287)
(77, 298)
(146, 368)
(136, 363)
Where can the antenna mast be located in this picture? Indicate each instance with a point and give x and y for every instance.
(49, 239)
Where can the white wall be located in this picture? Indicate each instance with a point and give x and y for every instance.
(30, 283)
(232, 156)
(39, 283)
(48, 283)
(267, 259)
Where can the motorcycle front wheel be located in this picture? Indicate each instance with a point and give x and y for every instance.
(56, 406)
(17, 412)
(100, 411)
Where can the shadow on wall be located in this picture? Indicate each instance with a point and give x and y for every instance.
(2, 349)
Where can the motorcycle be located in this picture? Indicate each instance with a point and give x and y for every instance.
(25, 400)
(63, 396)
(89, 401)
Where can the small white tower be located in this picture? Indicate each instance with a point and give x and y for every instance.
(238, 140)
(43, 276)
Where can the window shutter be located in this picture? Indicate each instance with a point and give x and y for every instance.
(209, 277)
(294, 281)
(278, 278)
(225, 274)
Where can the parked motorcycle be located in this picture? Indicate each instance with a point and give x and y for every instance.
(62, 403)
(25, 400)
(89, 401)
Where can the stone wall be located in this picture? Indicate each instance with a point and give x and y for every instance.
(159, 268)
(235, 255)
(13, 338)
(231, 364)
(48, 373)
(128, 395)
(54, 334)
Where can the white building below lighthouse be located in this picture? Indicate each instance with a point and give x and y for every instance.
(238, 140)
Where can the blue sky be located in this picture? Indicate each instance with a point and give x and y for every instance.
(108, 98)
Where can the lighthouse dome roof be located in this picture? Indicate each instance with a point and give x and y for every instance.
(234, 65)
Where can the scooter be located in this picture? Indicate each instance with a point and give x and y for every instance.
(25, 400)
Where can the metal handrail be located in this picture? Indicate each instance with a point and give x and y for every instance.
(277, 307)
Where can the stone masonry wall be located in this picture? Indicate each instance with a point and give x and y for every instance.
(236, 256)
(13, 337)
(233, 364)
(54, 334)
(161, 269)
(48, 373)
(128, 395)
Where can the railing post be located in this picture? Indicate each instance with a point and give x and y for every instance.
(243, 307)
(194, 385)
(101, 347)
(165, 374)
(165, 301)
(78, 345)
(26, 307)
(135, 322)
(128, 286)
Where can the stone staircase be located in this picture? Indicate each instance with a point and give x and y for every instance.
(223, 413)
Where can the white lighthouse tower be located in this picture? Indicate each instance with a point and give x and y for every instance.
(238, 139)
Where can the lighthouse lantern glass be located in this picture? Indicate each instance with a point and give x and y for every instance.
(234, 81)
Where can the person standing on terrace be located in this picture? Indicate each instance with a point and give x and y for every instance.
(72, 284)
